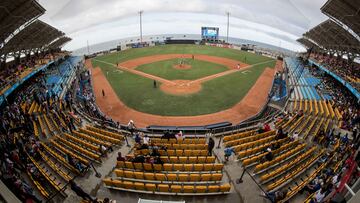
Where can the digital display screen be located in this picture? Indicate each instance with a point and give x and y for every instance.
(210, 33)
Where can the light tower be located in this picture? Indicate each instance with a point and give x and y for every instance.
(140, 15)
(227, 29)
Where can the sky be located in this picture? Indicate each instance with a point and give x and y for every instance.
(275, 22)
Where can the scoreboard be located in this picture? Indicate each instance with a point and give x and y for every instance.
(210, 33)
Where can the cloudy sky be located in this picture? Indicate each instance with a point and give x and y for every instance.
(276, 22)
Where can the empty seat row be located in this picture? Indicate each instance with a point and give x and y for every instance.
(100, 136)
(54, 167)
(67, 151)
(249, 138)
(78, 148)
(178, 152)
(173, 177)
(188, 159)
(252, 144)
(60, 158)
(256, 158)
(280, 158)
(166, 188)
(91, 139)
(88, 145)
(180, 141)
(293, 172)
(170, 167)
(288, 165)
(182, 146)
(105, 132)
(239, 135)
(259, 148)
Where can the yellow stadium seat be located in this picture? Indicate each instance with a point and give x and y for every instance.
(203, 153)
(178, 167)
(129, 174)
(138, 166)
(120, 164)
(119, 173)
(171, 152)
(195, 153)
(139, 186)
(188, 188)
(168, 167)
(183, 159)
(147, 167)
(150, 187)
(149, 176)
(188, 167)
(160, 176)
(213, 188)
(108, 182)
(201, 159)
(176, 146)
(205, 177)
(117, 183)
(192, 160)
(128, 185)
(194, 177)
(225, 188)
(139, 175)
(218, 167)
(173, 159)
(200, 189)
(129, 164)
(208, 167)
(210, 159)
(157, 167)
(183, 177)
(179, 152)
(163, 188)
(216, 177)
(175, 188)
(198, 167)
(187, 152)
(171, 177)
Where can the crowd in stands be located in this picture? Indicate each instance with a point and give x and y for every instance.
(17, 140)
(344, 100)
(349, 71)
(13, 72)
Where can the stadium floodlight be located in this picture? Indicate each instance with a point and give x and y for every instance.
(140, 15)
(227, 29)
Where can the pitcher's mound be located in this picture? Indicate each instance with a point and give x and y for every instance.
(182, 66)
(181, 87)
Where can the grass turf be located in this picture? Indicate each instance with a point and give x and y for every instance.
(218, 94)
(165, 69)
(243, 56)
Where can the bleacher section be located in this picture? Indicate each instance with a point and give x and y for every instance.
(186, 170)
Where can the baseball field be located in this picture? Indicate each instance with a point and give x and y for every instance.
(179, 80)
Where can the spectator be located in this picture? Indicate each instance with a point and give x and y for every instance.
(120, 157)
(146, 140)
(131, 127)
(228, 151)
(79, 191)
(211, 145)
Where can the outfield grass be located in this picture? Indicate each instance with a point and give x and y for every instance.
(165, 69)
(218, 94)
(239, 55)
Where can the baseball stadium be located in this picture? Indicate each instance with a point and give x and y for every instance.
(157, 101)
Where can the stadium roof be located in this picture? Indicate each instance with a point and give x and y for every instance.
(307, 43)
(331, 36)
(36, 35)
(14, 13)
(346, 11)
(59, 42)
